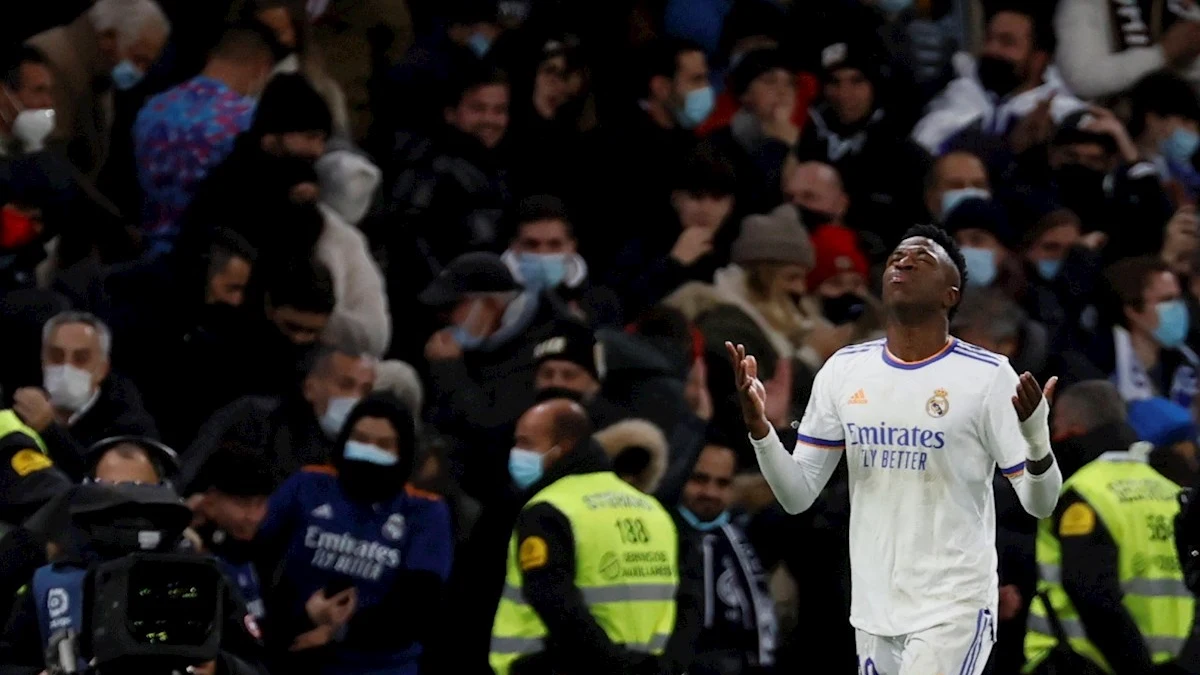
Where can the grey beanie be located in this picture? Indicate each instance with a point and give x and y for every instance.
(778, 236)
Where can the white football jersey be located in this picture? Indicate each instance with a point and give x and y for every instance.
(922, 442)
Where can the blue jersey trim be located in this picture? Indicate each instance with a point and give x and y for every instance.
(820, 442)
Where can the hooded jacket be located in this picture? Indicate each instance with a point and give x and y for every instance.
(396, 552)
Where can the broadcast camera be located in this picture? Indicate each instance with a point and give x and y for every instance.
(140, 605)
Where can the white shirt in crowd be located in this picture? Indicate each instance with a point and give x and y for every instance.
(922, 442)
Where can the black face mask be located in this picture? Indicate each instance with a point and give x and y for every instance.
(998, 75)
(813, 219)
(846, 308)
(369, 483)
(1080, 189)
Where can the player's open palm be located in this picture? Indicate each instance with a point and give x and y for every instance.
(752, 394)
(1030, 394)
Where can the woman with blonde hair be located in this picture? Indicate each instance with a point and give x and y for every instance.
(762, 298)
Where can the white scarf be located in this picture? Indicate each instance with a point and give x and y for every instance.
(1134, 383)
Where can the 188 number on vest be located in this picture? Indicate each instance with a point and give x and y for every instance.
(633, 531)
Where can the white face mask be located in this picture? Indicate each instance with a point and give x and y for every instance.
(32, 127)
(70, 388)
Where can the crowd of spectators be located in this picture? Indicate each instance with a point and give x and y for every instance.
(279, 235)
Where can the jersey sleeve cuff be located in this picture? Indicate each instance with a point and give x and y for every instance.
(821, 443)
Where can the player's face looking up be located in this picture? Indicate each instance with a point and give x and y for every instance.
(920, 279)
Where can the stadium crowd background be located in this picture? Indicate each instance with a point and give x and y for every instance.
(249, 210)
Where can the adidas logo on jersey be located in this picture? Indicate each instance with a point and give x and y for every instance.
(323, 511)
(859, 396)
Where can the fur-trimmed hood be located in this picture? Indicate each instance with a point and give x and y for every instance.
(638, 450)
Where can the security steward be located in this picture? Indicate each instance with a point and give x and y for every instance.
(28, 477)
(1109, 567)
(593, 575)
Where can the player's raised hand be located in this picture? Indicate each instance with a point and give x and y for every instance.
(751, 393)
(1030, 394)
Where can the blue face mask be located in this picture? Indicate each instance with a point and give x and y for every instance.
(981, 266)
(694, 520)
(463, 335)
(480, 44)
(1180, 146)
(952, 198)
(336, 413)
(525, 467)
(542, 270)
(1048, 269)
(125, 75)
(371, 454)
(697, 106)
(1173, 322)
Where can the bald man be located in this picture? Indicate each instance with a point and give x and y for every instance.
(593, 575)
(127, 463)
(817, 191)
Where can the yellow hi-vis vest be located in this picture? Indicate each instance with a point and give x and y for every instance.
(1138, 507)
(626, 566)
(10, 423)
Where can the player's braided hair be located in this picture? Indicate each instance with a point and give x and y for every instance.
(940, 237)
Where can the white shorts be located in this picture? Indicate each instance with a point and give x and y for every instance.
(946, 649)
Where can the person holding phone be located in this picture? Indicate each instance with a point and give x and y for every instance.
(361, 556)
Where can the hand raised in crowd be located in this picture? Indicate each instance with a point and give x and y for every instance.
(1181, 43)
(696, 391)
(33, 407)
(1105, 122)
(1180, 238)
(443, 347)
(1093, 241)
(752, 394)
(1035, 128)
(780, 126)
(693, 243)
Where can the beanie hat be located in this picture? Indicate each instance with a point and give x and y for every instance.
(975, 213)
(840, 55)
(291, 104)
(778, 236)
(575, 343)
(752, 64)
(837, 251)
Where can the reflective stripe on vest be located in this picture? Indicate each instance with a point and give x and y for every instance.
(1137, 506)
(10, 423)
(626, 568)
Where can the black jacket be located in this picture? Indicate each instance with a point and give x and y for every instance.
(881, 168)
(285, 429)
(476, 400)
(27, 479)
(577, 642)
(118, 411)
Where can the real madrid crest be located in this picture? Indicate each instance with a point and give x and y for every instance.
(938, 404)
(393, 529)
